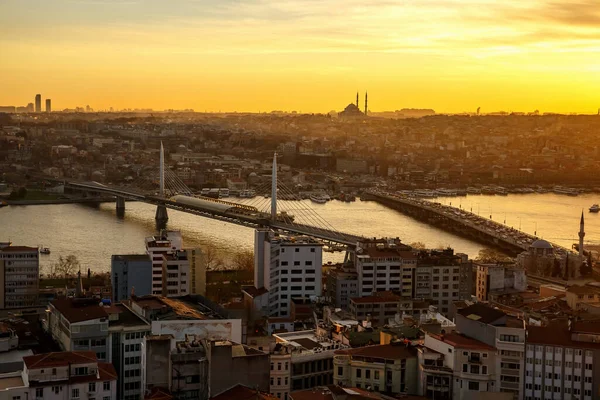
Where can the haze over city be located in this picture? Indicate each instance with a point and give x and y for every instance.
(310, 56)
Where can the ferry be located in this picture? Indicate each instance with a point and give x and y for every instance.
(446, 192)
(488, 190)
(500, 191)
(473, 190)
(595, 208)
(44, 250)
(564, 190)
(320, 198)
(427, 193)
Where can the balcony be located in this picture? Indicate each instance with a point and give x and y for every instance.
(510, 372)
(511, 346)
(475, 359)
(509, 385)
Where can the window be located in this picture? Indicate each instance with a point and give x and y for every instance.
(92, 386)
(368, 374)
(80, 371)
(106, 386)
(484, 370)
(39, 392)
(358, 373)
(75, 393)
(278, 366)
(473, 385)
(340, 371)
(377, 375)
(465, 368)
(297, 250)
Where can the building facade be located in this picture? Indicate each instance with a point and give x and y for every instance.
(131, 274)
(157, 247)
(197, 272)
(342, 285)
(19, 272)
(287, 267)
(175, 274)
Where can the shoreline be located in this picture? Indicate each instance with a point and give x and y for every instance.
(59, 201)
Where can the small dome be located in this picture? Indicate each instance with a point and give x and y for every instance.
(541, 244)
(252, 174)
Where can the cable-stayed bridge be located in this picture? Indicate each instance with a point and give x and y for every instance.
(165, 190)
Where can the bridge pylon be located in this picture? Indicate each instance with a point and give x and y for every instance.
(120, 206)
(274, 189)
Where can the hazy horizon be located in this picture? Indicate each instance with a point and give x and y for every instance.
(305, 55)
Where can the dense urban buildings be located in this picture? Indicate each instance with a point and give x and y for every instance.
(131, 274)
(19, 268)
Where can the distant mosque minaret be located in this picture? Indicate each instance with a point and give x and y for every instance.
(581, 234)
(357, 101)
(366, 102)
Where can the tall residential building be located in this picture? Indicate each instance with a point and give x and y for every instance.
(126, 332)
(197, 275)
(158, 246)
(64, 375)
(562, 361)
(384, 265)
(286, 266)
(492, 279)
(175, 274)
(38, 103)
(48, 105)
(342, 285)
(388, 368)
(19, 268)
(506, 334)
(443, 277)
(131, 274)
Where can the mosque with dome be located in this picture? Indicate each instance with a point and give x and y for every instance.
(353, 110)
(542, 259)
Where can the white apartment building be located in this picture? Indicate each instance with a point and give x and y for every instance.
(286, 266)
(383, 266)
(176, 274)
(58, 376)
(506, 334)
(20, 269)
(561, 361)
(466, 364)
(175, 271)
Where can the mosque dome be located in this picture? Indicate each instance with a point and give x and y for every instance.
(541, 244)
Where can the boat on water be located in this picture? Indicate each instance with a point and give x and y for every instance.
(473, 190)
(595, 208)
(44, 250)
(500, 191)
(488, 190)
(565, 190)
(3, 204)
(320, 198)
(445, 192)
(426, 193)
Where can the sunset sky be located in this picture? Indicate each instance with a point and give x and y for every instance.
(305, 55)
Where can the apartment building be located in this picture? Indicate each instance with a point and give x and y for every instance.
(506, 334)
(465, 364)
(20, 269)
(157, 247)
(126, 332)
(197, 275)
(287, 266)
(382, 306)
(389, 368)
(579, 296)
(383, 265)
(443, 277)
(79, 325)
(561, 361)
(175, 274)
(342, 285)
(130, 273)
(58, 376)
(301, 360)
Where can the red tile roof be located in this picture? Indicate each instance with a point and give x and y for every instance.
(59, 359)
(384, 351)
(462, 342)
(576, 289)
(78, 310)
(240, 392)
(157, 393)
(387, 252)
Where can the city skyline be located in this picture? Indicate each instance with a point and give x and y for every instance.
(303, 55)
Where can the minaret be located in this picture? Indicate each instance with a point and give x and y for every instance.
(581, 235)
(366, 103)
(79, 287)
(357, 100)
(274, 189)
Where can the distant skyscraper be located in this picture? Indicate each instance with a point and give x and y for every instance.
(48, 105)
(38, 103)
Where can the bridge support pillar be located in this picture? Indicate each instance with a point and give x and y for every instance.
(161, 217)
(120, 207)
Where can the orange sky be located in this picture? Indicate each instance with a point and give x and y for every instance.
(304, 55)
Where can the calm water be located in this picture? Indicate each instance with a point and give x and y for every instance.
(94, 234)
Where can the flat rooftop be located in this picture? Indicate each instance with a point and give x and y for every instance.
(11, 382)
